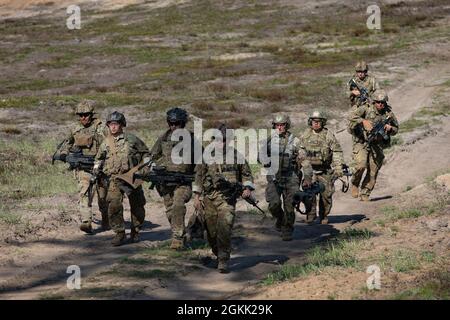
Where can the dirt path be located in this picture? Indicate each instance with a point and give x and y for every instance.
(39, 267)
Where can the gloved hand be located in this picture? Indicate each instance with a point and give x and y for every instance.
(246, 193)
(62, 157)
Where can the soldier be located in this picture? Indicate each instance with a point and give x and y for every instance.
(86, 137)
(286, 181)
(119, 152)
(175, 195)
(369, 155)
(326, 157)
(364, 81)
(221, 185)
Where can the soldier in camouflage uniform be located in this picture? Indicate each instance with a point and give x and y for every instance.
(362, 79)
(370, 156)
(284, 184)
(119, 152)
(326, 157)
(175, 195)
(87, 137)
(221, 185)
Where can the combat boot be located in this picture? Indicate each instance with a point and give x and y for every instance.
(286, 236)
(177, 244)
(105, 222)
(86, 227)
(355, 191)
(278, 225)
(310, 218)
(119, 239)
(364, 197)
(223, 266)
(134, 236)
(324, 221)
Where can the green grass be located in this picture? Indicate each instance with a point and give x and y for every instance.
(340, 252)
(393, 214)
(412, 124)
(9, 216)
(26, 170)
(401, 260)
(437, 288)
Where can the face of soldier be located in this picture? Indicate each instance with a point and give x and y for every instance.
(85, 119)
(361, 74)
(115, 128)
(379, 105)
(281, 127)
(175, 125)
(316, 125)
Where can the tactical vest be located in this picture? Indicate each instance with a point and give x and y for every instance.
(165, 160)
(223, 177)
(88, 139)
(368, 83)
(286, 154)
(317, 149)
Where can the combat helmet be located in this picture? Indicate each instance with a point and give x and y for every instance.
(281, 118)
(316, 114)
(380, 95)
(85, 106)
(116, 117)
(177, 115)
(361, 65)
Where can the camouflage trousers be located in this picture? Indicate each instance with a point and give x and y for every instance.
(83, 185)
(114, 198)
(175, 199)
(369, 159)
(325, 198)
(219, 217)
(284, 211)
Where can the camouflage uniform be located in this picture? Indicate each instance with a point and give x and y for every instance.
(219, 200)
(88, 140)
(284, 184)
(120, 154)
(175, 195)
(369, 156)
(368, 82)
(326, 157)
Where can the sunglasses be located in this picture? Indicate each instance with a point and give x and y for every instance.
(84, 115)
(175, 123)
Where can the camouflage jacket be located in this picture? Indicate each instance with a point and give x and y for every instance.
(369, 83)
(121, 153)
(161, 153)
(292, 157)
(322, 150)
(87, 139)
(370, 112)
(223, 177)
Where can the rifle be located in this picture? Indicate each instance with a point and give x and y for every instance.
(239, 188)
(95, 177)
(378, 131)
(347, 174)
(77, 160)
(306, 197)
(159, 175)
(364, 94)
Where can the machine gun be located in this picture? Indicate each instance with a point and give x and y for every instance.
(76, 160)
(364, 94)
(159, 175)
(306, 197)
(378, 132)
